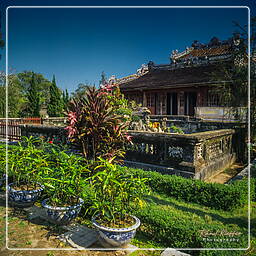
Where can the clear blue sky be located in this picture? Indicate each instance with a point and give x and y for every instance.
(78, 44)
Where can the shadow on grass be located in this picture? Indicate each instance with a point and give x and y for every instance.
(242, 222)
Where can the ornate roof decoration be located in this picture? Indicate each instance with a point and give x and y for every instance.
(197, 55)
(140, 72)
(215, 48)
(176, 55)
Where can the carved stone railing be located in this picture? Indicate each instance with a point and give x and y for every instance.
(47, 132)
(200, 154)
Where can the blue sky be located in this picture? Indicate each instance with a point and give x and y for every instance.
(78, 44)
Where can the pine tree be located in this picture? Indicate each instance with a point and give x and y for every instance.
(103, 79)
(55, 105)
(65, 99)
(33, 99)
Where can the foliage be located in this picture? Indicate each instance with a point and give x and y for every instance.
(55, 105)
(2, 159)
(121, 106)
(20, 94)
(80, 91)
(65, 99)
(115, 191)
(217, 196)
(95, 126)
(172, 224)
(233, 77)
(16, 101)
(27, 161)
(103, 79)
(63, 176)
(33, 99)
(41, 83)
(175, 129)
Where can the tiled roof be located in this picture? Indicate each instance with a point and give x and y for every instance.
(211, 51)
(184, 77)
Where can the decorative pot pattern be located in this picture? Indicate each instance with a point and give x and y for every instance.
(23, 198)
(116, 237)
(62, 215)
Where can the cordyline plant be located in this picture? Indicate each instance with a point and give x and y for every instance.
(95, 126)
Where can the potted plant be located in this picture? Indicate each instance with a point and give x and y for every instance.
(116, 193)
(26, 162)
(2, 164)
(64, 186)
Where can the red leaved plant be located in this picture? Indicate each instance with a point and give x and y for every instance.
(95, 126)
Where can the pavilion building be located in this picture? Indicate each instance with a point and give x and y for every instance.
(186, 83)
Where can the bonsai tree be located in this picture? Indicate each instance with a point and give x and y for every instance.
(96, 126)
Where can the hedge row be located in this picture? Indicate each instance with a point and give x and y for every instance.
(174, 230)
(217, 196)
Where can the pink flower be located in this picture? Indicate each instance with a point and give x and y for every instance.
(71, 131)
(128, 137)
(51, 142)
(72, 117)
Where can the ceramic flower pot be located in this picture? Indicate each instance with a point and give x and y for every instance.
(23, 198)
(116, 237)
(62, 215)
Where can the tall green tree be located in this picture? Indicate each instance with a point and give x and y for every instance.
(33, 99)
(65, 98)
(103, 79)
(81, 90)
(16, 100)
(55, 105)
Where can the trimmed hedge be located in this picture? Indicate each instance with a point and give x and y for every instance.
(217, 196)
(175, 230)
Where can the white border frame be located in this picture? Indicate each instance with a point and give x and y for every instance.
(249, 123)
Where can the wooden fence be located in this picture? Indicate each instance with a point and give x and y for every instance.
(10, 129)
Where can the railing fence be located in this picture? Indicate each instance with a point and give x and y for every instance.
(10, 129)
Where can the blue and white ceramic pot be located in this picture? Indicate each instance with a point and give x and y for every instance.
(62, 215)
(23, 198)
(116, 237)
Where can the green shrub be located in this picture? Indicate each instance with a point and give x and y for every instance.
(217, 196)
(174, 229)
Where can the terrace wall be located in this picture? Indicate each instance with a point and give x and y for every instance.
(198, 155)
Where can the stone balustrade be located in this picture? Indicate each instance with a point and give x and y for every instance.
(198, 155)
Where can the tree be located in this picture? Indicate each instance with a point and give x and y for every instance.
(55, 105)
(234, 94)
(103, 80)
(42, 84)
(16, 100)
(33, 99)
(80, 91)
(65, 98)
